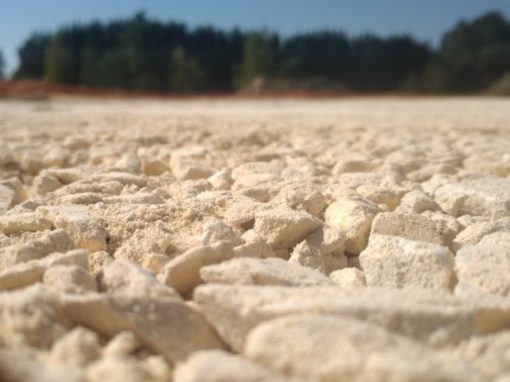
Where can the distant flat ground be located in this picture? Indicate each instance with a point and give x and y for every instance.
(470, 111)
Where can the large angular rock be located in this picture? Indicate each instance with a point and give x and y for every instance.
(124, 178)
(485, 267)
(488, 353)
(308, 255)
(215, 230)
(182, 273)
(76, 348)
(417, 202)
(154, 167)
(130, 369)
(18, 223)
(153, 239)
(117, 369)
(75, 257)
(20, 194)
(219, 366)
(302, 196)
(430, 316)
(7, 197)
(21, 365)
(123, 277)
(254, 246)
(322, 250)
(185, 168)
(24, 274)
(348, 278)
(98, 260)
(252, 271)
(283, 228)
(21, 275)
(69, 279)
(415, 227)
(475, 232)
(54, 241)
(354, 218)
(44, 184)
(486, 196)
(166, 326)
(221, 180)
(396, 262)
(329, 348)
(31, 317)
(81, 225)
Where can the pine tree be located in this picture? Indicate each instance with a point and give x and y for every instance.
(186, 75)
(259, 58)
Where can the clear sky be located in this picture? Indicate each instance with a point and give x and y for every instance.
(425, 19)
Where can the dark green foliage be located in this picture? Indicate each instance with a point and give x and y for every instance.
(186, 74)
(2, 65)
(323, 54)
(259, 58)
(148, 55)
(32, 56)
(476, 53)
(59, 63)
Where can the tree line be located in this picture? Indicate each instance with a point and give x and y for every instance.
(147, 55)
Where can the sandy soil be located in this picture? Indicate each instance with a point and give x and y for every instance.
(275, 240)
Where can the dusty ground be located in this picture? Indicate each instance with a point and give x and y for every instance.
(361, 240)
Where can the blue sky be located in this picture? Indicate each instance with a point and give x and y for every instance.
(425, 19)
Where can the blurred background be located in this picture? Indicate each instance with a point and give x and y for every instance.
(283, 46)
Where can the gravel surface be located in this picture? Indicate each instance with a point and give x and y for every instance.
(239, 240)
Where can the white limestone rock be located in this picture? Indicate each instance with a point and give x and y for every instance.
(123, 277)
(430, 316)
(251, 271)
(416, 202)
(17, 223)
(7, 197)
(77, 348)
(44, 184)
(21, 275)
(282, 227)
(154, 167)
(485, 196)
(354, 218)
(187, 169)
(98, 260)
(488, 353)
(83, 227)
(31, 317)
(485, 267)
(254, 246)
(476, 231)
(215, 230)
(415, 227)
(182, 273)
(396, 262)
(164, 325)
(308, 255)
(23, 365)
(328, 348)
(156, 238)
(122, 345)
(117, 370)
(219, 366)
(69, 279)
(20, 193)
(221, 180)
(54, 241)
(348, 278)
